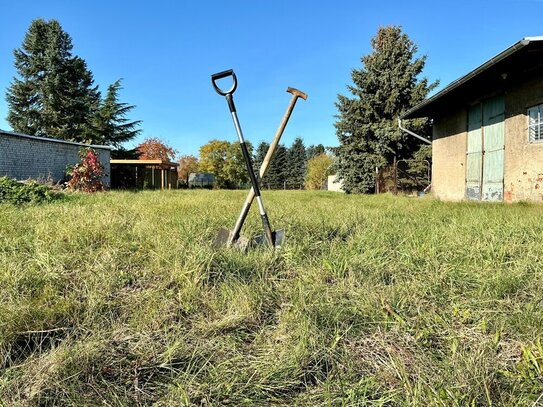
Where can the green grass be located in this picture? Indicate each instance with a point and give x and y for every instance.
(119, 299)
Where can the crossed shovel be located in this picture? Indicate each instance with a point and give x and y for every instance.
(231, 238)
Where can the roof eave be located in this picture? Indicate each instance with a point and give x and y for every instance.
(411, 113)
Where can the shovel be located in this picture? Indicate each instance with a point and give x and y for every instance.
(270, 236)
(232, 238)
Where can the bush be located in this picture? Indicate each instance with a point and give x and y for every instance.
(18, 193)
(86, 176)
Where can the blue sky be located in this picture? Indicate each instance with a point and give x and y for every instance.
(165, 51)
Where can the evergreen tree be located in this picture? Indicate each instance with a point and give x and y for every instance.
(314, 150)
(55, 94)
(386, 86)
(110, 124)
(277, 172)
(297, 165)
(260, 154)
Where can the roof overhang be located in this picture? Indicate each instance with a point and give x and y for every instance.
(54, 140)
(158, 163)
(518, 63)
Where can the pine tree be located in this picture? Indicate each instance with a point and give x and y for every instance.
(260, 154)
(297, 164)
(386, 86)
(55, 94)
(277, 172)
(314, 150)
(110, 124)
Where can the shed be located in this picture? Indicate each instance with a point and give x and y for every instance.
(143, 174)
(25, 157)
(488, 129)
(201, 180)
(334, 184)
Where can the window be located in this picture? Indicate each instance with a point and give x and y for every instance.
(535, 125)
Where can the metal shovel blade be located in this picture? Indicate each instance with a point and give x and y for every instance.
(223, 239)
(278, 239)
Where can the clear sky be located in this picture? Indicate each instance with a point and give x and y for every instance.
(165, 51)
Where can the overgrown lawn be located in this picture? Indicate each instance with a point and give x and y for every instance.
(119, 299)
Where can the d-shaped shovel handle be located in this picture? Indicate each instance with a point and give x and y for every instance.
(221, 75)
(229, 92)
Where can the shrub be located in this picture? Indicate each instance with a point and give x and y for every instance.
(86, 175)
(18, 193)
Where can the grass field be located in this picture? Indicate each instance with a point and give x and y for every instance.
(119, 299)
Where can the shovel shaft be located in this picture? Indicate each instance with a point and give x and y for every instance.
(248, 163)
(266, 163)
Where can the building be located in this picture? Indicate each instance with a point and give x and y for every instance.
(201, 180)
(334, 184)
(25, 157)
(140, 174)
(488, 129)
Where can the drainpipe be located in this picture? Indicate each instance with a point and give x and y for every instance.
(418, 137)
(411, 133)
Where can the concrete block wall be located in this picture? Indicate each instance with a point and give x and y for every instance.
(27, 157)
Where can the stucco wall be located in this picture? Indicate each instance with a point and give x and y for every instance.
(523, 178)
(333, 185)
(449, 156)
(23, 157)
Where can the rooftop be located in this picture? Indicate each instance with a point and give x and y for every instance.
(53, 140)
(145, 162)
(517, 63)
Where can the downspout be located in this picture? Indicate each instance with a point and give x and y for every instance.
(411, 133)
(418, 137)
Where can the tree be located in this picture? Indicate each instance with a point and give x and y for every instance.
(314, 150)
(86, 175)
(54, 95)
(235, 169)
(414, 175)
(153, 148)
(187, 165)
(260, 154)
(225, 161)
(110, 124)
(212, 159)
(318, 169)
(386, 86)
(277, 171)
(296, 165)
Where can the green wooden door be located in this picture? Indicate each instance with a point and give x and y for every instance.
(493, 142)
(474, 157)
(485, 150)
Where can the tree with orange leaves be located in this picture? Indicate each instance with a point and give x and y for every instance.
(153, 148)
(187, 165)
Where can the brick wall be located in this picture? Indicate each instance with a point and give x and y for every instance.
(26, 157)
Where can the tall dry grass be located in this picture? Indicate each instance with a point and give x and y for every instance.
(119, 299)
